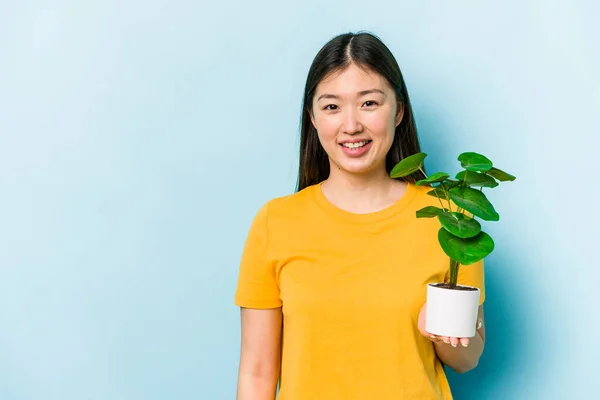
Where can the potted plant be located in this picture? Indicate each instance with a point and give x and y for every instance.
(451, 308)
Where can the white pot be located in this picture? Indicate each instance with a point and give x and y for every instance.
(451, 312)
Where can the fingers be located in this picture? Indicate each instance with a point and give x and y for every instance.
(464, 342)
(453, 341)
(438, 339)
(435, 339)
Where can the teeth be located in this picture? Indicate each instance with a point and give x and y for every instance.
(354, 145)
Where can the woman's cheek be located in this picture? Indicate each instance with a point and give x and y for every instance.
(376, 124)
(327, 127)
(381, 124)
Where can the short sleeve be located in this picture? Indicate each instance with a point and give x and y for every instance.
(257, 285)
(473, 275)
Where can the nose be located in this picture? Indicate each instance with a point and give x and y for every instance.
(351, 122)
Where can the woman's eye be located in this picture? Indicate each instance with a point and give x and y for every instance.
(327, 107)
(370, 103)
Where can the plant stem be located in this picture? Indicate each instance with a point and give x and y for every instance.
(440, 200)
(453, 272)
(464, 183)
(447, 196)
(436, 195)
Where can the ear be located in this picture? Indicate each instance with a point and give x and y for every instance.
(312, 118)
(399, 114)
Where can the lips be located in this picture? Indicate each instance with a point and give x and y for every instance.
(356, 148)
(355, 144)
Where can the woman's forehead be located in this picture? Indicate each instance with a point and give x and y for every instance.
(350, 82)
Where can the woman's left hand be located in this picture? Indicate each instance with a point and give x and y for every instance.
(453, 341)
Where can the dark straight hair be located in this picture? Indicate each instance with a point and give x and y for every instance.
(367, 51)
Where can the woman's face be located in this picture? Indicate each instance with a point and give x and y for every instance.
(355, 113)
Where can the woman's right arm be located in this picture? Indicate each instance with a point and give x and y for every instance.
(260, 358)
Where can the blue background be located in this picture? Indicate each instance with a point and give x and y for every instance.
(138, 139)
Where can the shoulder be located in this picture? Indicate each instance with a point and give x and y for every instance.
(421, 196)
(291, 205)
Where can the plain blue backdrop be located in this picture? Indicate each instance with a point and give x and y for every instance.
(138, 139)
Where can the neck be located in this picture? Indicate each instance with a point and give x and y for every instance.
(362, 193)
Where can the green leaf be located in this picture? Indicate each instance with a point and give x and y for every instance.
(429, 212)
(474, 162)
(408, 165)
(475, 202)
(450, 183)
(437, 177)
(459, 225)
(439, 191)
(500, 175)
(476, 179)
(466, 251)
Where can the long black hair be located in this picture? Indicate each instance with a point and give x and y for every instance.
(367, 51)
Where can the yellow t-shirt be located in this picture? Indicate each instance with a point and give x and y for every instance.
(351, 287)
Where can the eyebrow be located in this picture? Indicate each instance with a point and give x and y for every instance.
(362, 93)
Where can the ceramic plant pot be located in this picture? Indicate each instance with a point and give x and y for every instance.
(451, 312)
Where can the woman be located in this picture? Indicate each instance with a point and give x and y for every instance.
(332, 282)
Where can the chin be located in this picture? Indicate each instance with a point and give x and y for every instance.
(357, 168)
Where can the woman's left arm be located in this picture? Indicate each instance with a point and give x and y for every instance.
(460, 354)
